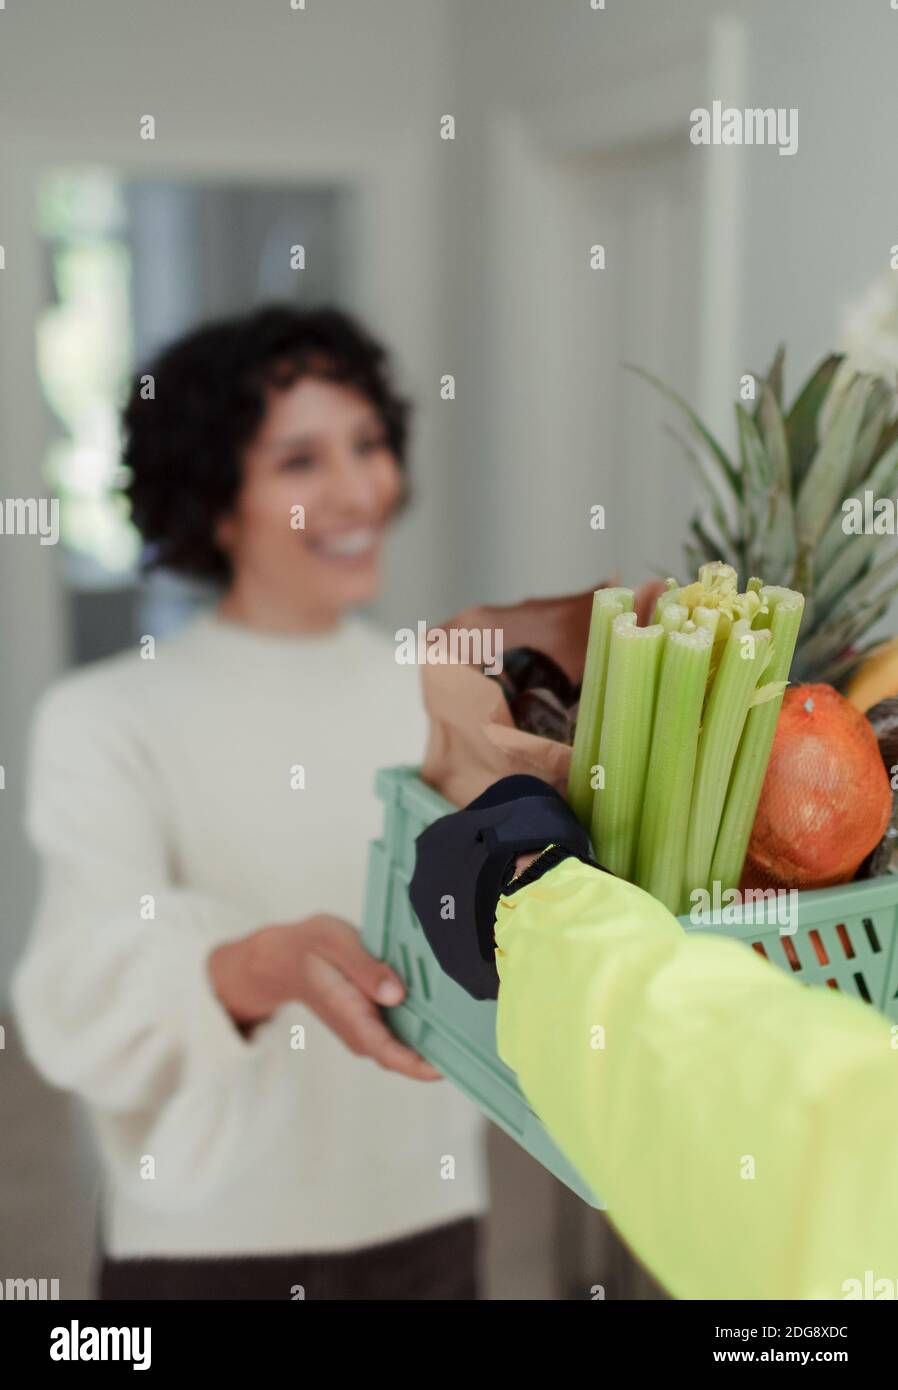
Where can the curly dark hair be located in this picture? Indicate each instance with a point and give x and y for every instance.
(183, 448)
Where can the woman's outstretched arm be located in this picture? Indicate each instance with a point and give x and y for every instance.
(158, 1003)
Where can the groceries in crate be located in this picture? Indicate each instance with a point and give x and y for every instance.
(671, 745)
(541, 696)
(478, 731)
(826, 801)
(664, 756)
(675, 725)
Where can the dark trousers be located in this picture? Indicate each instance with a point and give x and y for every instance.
(437, 1264)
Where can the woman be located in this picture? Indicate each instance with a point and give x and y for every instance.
(202, 809)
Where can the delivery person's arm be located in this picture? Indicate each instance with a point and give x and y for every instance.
(742, 1129)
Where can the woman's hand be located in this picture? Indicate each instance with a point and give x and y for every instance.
(319, 962)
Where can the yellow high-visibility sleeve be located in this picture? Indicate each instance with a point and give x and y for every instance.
(742, 1128)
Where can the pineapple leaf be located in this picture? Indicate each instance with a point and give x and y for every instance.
(876, 417)
(781, 548)
(775, 375)
(888, 437)
(773, 433)
(871, 586)
(824, 483)
(869, 601)
(837, 670)
(777, 505)
(773, 381)
(841, 667)
(850, 563)
(882, 482)
(753, 455)
(694, 557)
(832, 639)
(803, 581)
(780, 521)
(756, 482)
(801, 425)
(711, 548)
(720, 458)
(883, 476)
(715, 502)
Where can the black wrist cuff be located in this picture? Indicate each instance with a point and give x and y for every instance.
(466, 861)
(555, 854)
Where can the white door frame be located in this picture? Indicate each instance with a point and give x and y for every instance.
(524, 151)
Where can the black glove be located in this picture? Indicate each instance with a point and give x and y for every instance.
(466, 861)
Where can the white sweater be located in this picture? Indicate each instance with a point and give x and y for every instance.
(162, 806)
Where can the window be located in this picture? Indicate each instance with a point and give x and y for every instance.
(84, 357)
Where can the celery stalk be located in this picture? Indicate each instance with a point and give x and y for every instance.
(607, 604)
(633, 662)
(672, 616)
(707, 618)
(785, 608)
(660, 858)
(741, 664)
(669, 596)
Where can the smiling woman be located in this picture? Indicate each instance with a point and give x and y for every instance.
(249, 418)
(195, 973)
(324, 449)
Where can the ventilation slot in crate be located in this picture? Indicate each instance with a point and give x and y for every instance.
(872, 937)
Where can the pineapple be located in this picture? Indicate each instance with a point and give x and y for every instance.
(776, 508)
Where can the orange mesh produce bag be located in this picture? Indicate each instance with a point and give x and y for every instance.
(826, 799)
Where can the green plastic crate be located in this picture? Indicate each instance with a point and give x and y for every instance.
(845, 940)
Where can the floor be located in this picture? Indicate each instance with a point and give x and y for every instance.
(48, 1179)
(542, 1242)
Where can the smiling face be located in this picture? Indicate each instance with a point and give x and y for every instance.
(321, 457)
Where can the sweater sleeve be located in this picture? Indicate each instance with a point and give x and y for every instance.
(112, 995)
(742, 1129)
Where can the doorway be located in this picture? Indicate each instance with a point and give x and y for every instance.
(641, 205)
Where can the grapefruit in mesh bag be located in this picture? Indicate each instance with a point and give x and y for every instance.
(826, 798)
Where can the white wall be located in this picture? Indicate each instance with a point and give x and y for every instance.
(814, 229)
(822, 222)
